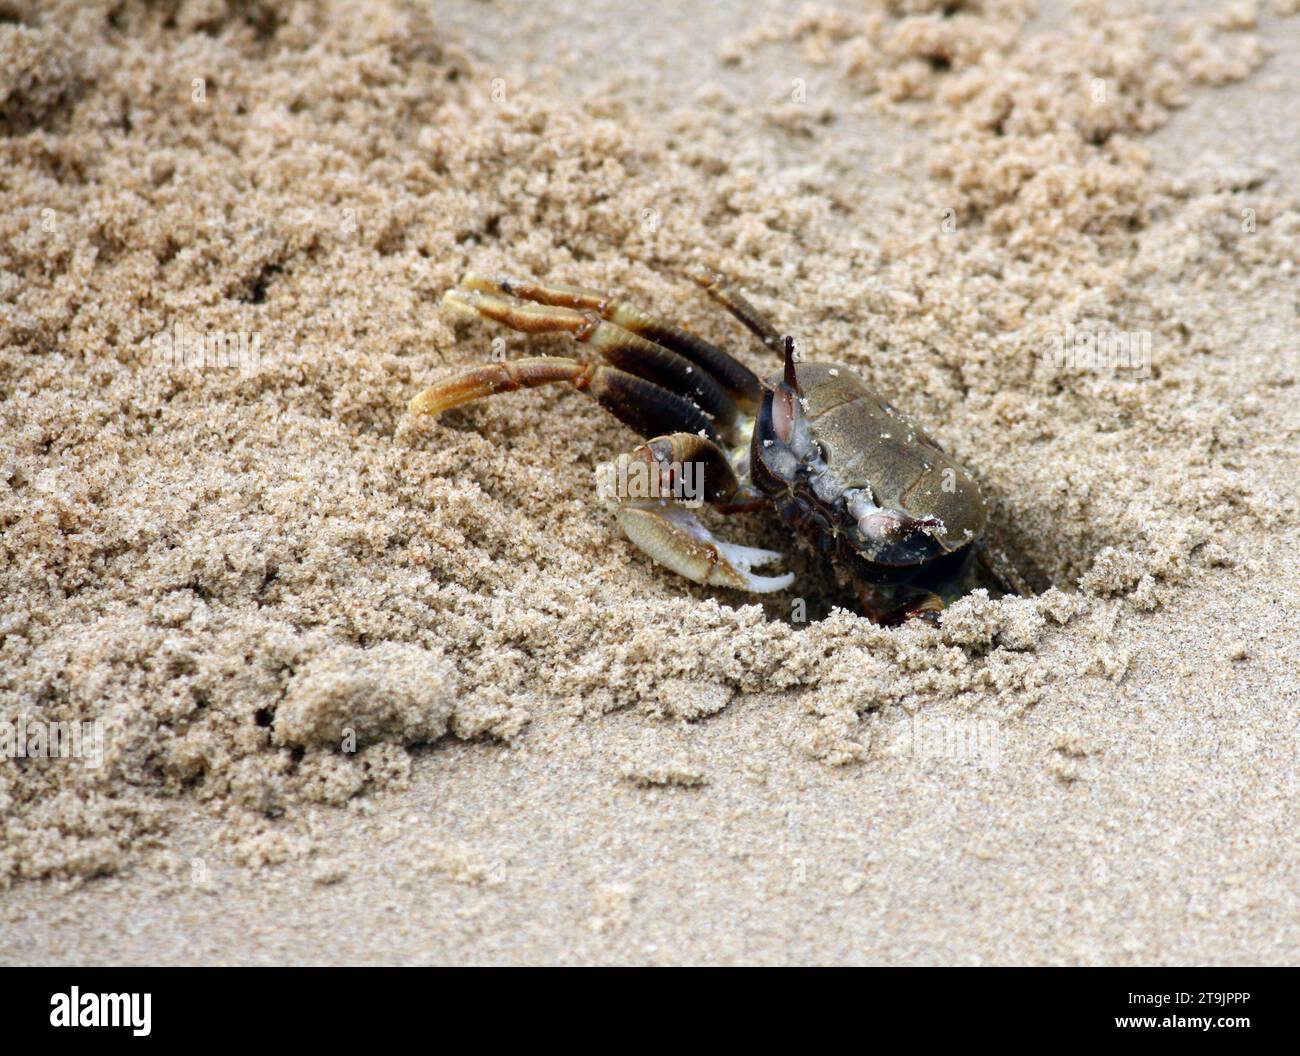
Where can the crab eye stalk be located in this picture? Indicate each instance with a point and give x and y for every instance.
(791, 357)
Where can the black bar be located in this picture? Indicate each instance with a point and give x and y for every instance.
(215, 1005)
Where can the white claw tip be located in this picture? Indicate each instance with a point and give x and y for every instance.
(743, 558)
(767, 584)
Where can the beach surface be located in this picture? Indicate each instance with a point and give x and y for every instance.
(359, 687)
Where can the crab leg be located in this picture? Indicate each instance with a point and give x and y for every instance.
(890, 607)
(641, 404)
(688, 460)
(619, 347)
(738, 305)
(736, 379)
(670, 533)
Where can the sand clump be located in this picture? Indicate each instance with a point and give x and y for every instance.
(238, 568)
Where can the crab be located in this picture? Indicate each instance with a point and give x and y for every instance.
(813, 442)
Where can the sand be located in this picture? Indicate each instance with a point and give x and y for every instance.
(374, 689)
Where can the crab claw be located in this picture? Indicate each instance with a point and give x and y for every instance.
(676, 539)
